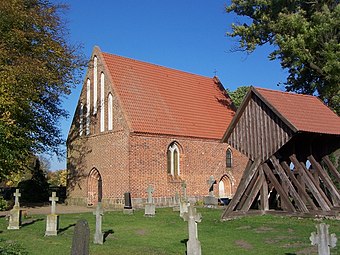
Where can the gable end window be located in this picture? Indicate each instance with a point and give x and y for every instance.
(229, 158)
(173, 156)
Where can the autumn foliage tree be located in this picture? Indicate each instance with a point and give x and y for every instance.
(37, 70)
(306, 40)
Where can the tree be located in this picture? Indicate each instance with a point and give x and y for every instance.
(238, 95)
(306, 39)
(38, 68)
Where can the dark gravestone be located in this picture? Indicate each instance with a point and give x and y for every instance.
(81, 238)
(127, 203)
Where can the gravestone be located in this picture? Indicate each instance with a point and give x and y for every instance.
(183, 204)
(323, 240)
(98, 235)
(150, 210)
(175, 207)
(192, 217)
(127, 203)
(211, 200)
(52, 221)
(14, 221)
(81, 238)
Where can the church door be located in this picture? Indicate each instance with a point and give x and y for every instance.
(94, 188)
(224, 187)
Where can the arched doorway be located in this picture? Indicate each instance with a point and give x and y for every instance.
(94, 187)
(225, 187)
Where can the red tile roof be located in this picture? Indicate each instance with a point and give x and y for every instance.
(160, 100)
(306, 113)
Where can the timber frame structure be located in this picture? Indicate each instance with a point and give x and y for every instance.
(287, 138)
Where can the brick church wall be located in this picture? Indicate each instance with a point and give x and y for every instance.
(199, 159)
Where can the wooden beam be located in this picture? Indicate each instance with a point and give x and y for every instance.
(253, 194)
(326, 180)
(278, 187)
(332, 168)
(247, 192)
(263, 191)
(301, 189)
(248, 174)
(291, 190)
(314, 189)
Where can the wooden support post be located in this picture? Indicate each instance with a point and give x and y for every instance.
(263, 191)
(279, 189)
(291, 190)
(246, 178)
(301, 189)
(331, 168)
(326, 181)
(247, 192)
(253, 194)
(314, 189)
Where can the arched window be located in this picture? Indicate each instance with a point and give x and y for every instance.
(173, 156)
(88, 106)
(102, 108)
(95, 80)
(229, 158)
(109, 112)
(81, 117)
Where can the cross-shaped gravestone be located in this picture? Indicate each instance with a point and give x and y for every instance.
(211, 183)
(184, 190)
(192, 217)
(150, 190)
(98, 235)
(323, 240)
(53, 200)
(16, 198)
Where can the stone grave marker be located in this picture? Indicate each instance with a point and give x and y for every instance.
(211, 200)
(52, 221)
(98, 235)
(15, 214)
(183, 205)
(323, 240)
(150, 210)
(81, 238)
(192, 217)
(127, 203)
(175, 207)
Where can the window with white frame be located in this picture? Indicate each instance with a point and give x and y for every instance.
(88, 106)
(102, 106)
(81, 117)
(173, 159)
(95, 87)
(109, 112)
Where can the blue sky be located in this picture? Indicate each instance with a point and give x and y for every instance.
(186, 35)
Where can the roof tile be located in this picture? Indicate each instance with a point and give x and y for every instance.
(306, 113)
(161, 100)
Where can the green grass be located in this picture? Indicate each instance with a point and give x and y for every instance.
(166, 233)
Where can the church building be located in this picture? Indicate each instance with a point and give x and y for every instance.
(139, 124)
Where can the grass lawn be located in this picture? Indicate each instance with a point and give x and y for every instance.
(166, 233)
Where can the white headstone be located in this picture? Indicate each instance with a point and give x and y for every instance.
(323, 240)
(98, 235)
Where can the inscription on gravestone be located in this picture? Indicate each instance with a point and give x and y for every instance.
(81, 238)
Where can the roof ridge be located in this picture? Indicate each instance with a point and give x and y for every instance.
(286, 92)
(157, 65)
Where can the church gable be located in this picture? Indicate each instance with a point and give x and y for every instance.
(98, 110)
